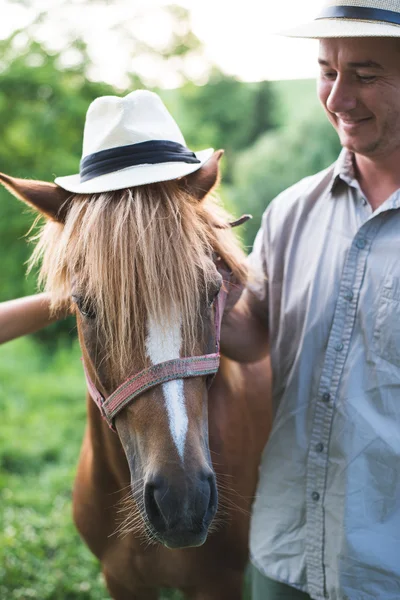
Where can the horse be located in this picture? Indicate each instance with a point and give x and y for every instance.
(165, 484)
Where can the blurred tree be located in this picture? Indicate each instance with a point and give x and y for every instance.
(225, 113)
(278, 160)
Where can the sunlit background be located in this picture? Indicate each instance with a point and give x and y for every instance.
(240, 38)
(230, 82)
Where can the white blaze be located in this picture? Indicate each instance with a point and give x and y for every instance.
(164, 343)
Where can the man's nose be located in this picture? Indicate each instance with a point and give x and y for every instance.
(342, 98)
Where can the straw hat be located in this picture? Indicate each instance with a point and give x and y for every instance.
(352, 18)
(131, 141)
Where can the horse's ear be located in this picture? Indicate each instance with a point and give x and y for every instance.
(201, 182)
(47, 198)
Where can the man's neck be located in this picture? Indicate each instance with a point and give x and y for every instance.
(378, 178)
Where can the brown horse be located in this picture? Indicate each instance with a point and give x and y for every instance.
(165, 500)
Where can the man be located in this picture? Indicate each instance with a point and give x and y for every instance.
(326, 519)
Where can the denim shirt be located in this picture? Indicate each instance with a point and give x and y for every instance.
(326, 518)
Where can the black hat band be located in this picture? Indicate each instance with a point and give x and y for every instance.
(362, 13)
(144, 153)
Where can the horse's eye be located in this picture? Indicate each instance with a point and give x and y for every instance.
(214, 291)
(84, 307)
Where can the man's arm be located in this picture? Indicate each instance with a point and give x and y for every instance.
(244, 330)
(25, 315)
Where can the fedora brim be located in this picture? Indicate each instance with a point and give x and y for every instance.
(133, 176)
(342, 28)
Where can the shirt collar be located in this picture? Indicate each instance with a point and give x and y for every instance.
(344, 171)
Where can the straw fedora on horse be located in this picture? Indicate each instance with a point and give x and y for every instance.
(352, 18)
(131, 141)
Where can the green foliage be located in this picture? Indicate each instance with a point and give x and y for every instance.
(225, 113)
(297, 100)
(183, 41)
(277, 161)
(43, 416)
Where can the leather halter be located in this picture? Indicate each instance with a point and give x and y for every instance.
(179, 368)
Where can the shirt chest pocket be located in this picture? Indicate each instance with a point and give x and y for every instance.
(386, 337)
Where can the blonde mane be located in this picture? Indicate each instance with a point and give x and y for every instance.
(134, 254)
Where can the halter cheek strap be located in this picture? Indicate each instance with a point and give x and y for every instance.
(180, 368)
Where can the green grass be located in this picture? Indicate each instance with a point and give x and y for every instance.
(43, 414)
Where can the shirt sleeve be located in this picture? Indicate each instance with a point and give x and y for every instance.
(279, 218)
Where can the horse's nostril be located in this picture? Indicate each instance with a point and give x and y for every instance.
(184, 504)
(210, 490)
(150, 501)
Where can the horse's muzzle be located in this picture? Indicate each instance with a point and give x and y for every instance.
(179, 513)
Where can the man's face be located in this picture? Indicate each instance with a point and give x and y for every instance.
(359, 87)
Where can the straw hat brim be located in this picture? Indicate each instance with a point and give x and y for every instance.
(133, 176)
(342, 28)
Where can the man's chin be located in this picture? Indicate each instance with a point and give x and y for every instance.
(361, 147)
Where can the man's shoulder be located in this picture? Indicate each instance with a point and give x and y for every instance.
(311, 188)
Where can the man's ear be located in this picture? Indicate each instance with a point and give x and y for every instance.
(202, 181)
(48, 198)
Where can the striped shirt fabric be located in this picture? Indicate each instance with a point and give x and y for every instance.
(326, 518)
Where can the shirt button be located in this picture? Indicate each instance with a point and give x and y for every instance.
(349, 296)
(339, 347)
(315, 496)
(319, 447)
(326, 397)
(361, 243)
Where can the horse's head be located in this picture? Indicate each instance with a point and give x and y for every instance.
(139, 265)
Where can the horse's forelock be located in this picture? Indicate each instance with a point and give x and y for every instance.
(134, 254)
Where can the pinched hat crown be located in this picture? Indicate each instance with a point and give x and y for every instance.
(131, 141)
(141, 116)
